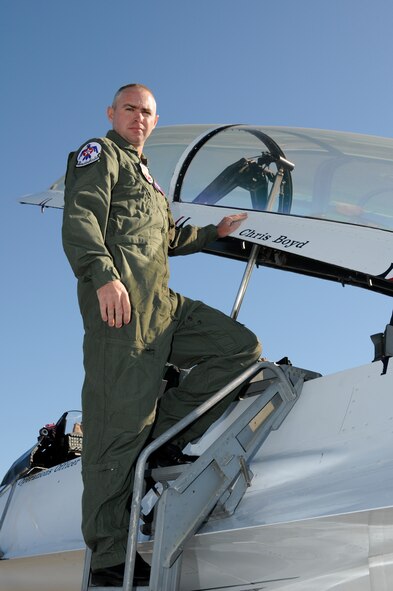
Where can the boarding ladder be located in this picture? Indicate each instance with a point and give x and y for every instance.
(215, 483)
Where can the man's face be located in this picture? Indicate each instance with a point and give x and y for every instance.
(134, 116)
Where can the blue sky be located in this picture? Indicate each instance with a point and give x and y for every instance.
(303, 63)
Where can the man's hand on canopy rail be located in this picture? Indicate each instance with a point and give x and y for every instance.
(230, 223)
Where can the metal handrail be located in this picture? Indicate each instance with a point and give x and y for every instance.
(246, 278)
(164, 438)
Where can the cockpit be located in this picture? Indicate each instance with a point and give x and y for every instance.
(253, 176)
(56, 443)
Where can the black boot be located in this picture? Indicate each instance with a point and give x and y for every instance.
(112, 576)
(170, 455)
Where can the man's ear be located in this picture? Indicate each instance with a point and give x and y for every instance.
(109, 113)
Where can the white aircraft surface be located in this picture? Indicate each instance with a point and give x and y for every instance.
(293, 489)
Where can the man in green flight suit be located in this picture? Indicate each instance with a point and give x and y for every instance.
(117, 235)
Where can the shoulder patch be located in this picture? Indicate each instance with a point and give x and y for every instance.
(88, 154)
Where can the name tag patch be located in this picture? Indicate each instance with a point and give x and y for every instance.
(146, 173)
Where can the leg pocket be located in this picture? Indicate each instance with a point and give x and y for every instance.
(101, 484)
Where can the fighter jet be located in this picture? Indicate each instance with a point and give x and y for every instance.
(292, 488)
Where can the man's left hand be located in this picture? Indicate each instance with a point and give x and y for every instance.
(230, 223)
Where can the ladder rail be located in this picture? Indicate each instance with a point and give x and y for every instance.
(216, 470)
(216, 483)
(140, 468)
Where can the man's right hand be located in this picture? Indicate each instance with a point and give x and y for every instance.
(115, 306)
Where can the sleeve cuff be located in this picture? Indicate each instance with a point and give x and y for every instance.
(100, 278)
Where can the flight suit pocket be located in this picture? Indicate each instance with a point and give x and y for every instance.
(218, 331)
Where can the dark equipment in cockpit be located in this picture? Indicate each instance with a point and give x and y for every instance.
(255, 176)
(56, 443)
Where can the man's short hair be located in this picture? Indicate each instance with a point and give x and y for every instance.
(133, 85)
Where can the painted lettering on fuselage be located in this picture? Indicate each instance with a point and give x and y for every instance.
(283, 240)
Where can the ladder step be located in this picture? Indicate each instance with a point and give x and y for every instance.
(167, 473)
(139, 588)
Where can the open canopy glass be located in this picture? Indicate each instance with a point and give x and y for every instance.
(337, 176)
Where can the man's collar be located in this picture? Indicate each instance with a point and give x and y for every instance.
(122, 143)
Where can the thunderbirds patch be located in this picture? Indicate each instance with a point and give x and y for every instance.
(88, 154)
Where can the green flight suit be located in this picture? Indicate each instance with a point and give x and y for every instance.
(117, 225)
